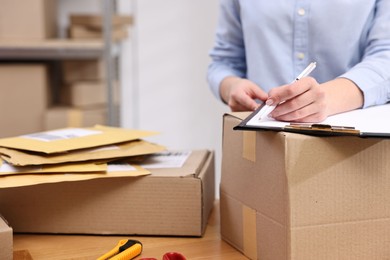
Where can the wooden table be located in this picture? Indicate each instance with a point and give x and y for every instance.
(210, 246)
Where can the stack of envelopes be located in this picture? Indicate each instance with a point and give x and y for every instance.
(73, 154)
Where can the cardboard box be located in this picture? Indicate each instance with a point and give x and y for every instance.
(83, 70)
(82, 32)
(33, 19)
(61, 117)
(6, 242)
(293, 196)
(96, 21)
(170, 201)
(87, 93)
(23, 98)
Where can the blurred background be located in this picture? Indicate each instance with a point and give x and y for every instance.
(60, 68)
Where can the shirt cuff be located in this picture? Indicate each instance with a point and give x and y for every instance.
(217, 73)
(375, 89)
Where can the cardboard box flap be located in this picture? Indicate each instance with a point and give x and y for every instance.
(337, 174)
(190, 168)
(69, 139)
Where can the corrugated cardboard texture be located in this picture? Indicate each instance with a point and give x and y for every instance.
(33, 19)
(24, 98)
(314, 197)
(249, 145)
(177, 203)
(249, 185)
(269, 237)
(6, 243)
(249, 232)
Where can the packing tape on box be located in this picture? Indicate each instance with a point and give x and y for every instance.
(249, 145)
(75, 118)
(249, 232)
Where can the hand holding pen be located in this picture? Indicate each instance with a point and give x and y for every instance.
(268, 108)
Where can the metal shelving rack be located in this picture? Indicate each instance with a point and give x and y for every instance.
(60, 49)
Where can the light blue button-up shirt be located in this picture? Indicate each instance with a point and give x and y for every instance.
(271, 41)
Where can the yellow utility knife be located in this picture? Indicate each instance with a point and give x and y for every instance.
(126, 249)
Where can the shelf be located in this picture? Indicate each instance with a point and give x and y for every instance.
(61, 49)
(51, 49)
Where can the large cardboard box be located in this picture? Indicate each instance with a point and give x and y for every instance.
(23, 98)
(6, 242)
(297, 197)
(33, 19)
(62, 117)
(170, 201)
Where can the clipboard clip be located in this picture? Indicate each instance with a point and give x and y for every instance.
(325, 128)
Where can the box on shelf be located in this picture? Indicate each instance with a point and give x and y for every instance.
(33, 19)
(96, 21)
(170, 201)
(61, 117)
(6, 242)
(83, 70)
(84, 26)
(23, 98)
(82, 32)
(293, 196)
(87, 93)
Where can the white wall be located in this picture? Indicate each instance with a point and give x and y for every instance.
(172, 40)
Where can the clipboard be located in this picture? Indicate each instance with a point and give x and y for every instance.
(368, 122)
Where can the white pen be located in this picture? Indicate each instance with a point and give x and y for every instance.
(266, 110)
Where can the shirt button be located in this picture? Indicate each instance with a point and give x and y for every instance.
(301, 11)
(301, 55)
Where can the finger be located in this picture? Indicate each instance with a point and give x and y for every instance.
(243, 100)
(258, 93)
(286, 92)
(309, 113)
(240, 101)
(236, 107)
(294, 104)
(246, 103)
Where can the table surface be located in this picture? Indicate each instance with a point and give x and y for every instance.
(210, 246)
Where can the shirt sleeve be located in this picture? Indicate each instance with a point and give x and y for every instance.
(228, 53)
(372, 74)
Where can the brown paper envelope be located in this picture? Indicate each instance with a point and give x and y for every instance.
(79, 167)
(34, 179)
(133, 148)
(69, 139)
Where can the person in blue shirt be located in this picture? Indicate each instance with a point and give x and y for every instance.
(262, 45)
